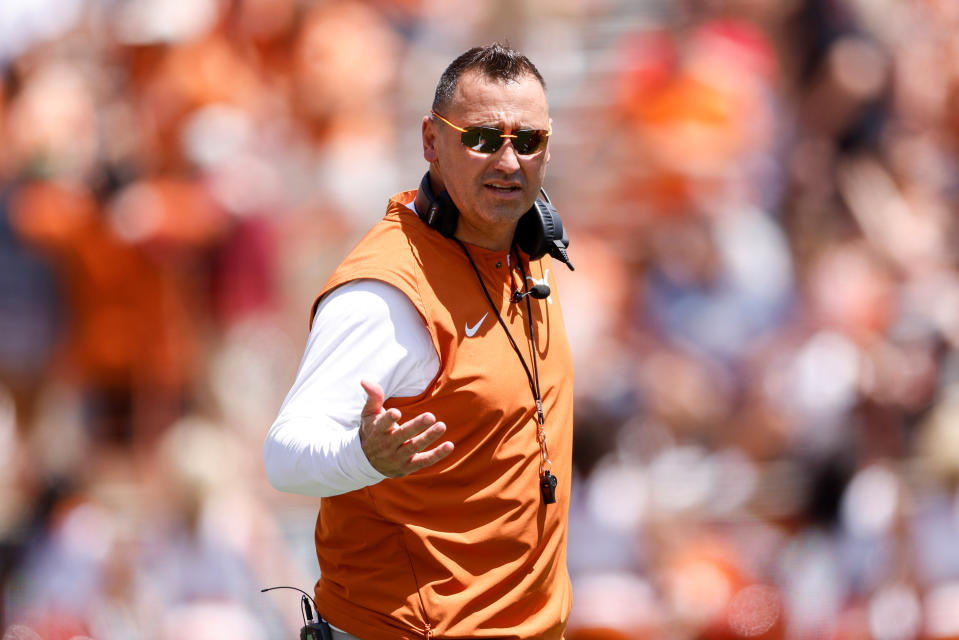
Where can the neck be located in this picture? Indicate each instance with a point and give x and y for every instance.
(497, 238)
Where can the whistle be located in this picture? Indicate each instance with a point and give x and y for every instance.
(547, 485)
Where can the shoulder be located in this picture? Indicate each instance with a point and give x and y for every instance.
(367, 299)
(389, 252)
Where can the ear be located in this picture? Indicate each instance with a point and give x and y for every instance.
(429, 140)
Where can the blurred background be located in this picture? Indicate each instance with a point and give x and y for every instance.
(764, 316)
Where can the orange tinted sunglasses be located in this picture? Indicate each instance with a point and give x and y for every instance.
(526, 142)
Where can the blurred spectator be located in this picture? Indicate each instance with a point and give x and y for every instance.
(30, 314)
(130, 340)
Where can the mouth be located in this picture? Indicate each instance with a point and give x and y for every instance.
(504, 189)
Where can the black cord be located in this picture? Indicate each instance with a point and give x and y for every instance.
(295, 589)
(534, 376)
(532, 339)
(313, 629)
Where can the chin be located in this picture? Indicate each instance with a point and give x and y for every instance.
(512, 212)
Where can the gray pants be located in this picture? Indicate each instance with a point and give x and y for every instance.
(340, 635)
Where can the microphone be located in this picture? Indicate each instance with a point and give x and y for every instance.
(538, 291)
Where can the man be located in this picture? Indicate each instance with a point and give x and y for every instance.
(432, 410)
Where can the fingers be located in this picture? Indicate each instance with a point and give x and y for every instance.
(415, 427)
(423, 438)
(423, 431)
(428, 458)
(398, 450)
(374, 398)
(395, 449)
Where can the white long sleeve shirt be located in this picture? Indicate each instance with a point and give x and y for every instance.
(365, 329)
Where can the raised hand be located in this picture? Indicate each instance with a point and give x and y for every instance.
(395, 449)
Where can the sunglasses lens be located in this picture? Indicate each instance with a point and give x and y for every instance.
(489, 140)
(482, 139)
(527, 142)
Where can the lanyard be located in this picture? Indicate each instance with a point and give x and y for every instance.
(547, 481)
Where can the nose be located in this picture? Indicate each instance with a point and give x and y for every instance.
(507, 160)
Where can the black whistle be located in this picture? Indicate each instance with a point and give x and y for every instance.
(547, 485)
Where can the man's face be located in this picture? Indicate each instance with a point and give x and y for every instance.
(491, 191)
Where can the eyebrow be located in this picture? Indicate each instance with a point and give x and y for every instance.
(548, 129)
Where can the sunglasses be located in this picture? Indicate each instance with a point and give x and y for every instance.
(489, 139)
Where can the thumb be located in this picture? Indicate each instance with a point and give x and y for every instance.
(374, 398)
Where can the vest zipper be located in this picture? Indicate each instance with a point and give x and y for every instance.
(419, 593)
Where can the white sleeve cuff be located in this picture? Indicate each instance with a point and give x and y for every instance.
(356, 464)
(297, 460)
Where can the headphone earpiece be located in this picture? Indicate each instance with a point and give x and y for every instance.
(440, 212)
(540, 231)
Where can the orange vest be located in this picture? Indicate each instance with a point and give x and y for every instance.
(466, 548)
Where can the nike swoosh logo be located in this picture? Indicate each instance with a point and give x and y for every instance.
(471, 331)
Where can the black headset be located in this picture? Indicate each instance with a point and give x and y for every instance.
(539, 231)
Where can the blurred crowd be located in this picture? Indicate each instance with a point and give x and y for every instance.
(764, 316)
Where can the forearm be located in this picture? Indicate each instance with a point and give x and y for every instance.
(364, 330)
(304, 455)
